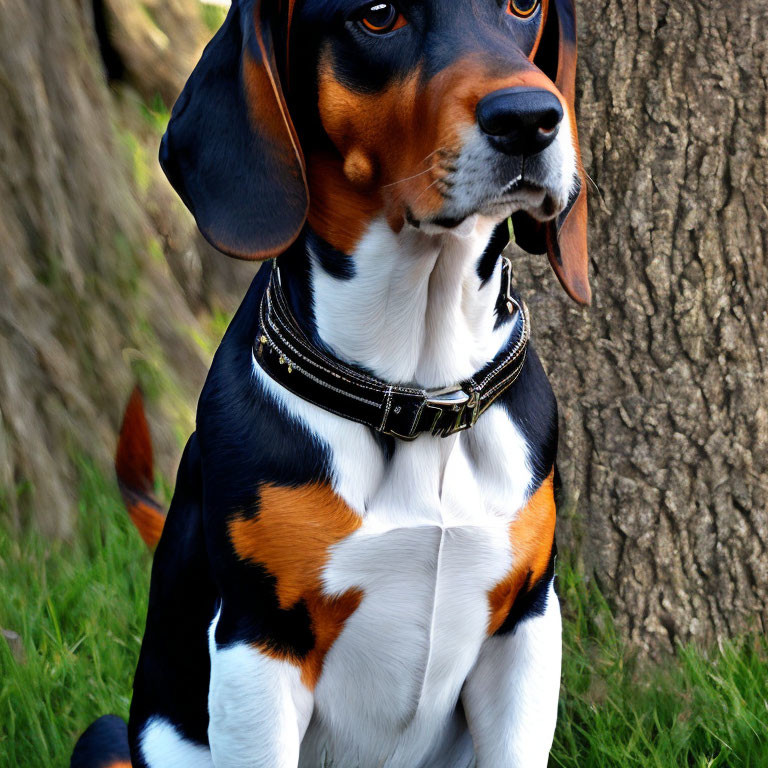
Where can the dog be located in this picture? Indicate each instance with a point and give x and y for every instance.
(357, 567)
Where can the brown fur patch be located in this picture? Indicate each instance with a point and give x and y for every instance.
(573, 272)
(292, 537)
(531, 536)
(148, 519)
(339, 211)
(133, 460)
(135, 473)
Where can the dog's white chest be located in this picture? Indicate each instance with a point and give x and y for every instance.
(421, 621)
(433, 544)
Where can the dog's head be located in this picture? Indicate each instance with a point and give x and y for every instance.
(426, 112)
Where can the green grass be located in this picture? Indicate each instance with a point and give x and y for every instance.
(79, 608)
(698, 709)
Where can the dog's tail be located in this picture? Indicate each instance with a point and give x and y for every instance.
(135, 473)
(103, 745)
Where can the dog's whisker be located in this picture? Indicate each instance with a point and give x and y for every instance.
(409, 178)
(438, 151)
(594, 186)
(426, 189)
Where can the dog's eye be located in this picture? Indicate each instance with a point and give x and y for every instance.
(523, 9)
(381, 18)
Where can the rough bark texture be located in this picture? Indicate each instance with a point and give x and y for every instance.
(662, 383)
(88, 302)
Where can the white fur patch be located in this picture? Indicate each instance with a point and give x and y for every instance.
(510, 698)
(415, 311)
(434, 543)
(259, 708)
(162, 746)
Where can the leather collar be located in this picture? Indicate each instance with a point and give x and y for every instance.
(285, 354)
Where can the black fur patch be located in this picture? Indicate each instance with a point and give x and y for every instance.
(499, 241)
(530, 403)
(335, 263)
(247, 441)
(173, 671)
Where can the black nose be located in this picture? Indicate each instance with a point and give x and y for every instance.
(520, 121)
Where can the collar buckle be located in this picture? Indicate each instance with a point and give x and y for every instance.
(456, 410)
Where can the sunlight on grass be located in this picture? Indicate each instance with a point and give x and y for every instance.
(79, 609)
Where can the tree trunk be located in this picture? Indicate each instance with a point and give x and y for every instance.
(88, 303)
(662, 382)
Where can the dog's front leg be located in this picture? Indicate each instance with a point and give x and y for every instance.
(510, 698)
(259, 709)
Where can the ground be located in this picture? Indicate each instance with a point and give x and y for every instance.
(78, 608)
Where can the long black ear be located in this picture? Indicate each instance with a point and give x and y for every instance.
(563, 240)
(231, 150)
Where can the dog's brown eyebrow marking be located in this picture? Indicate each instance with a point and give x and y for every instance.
(531, 536)
(291, 538)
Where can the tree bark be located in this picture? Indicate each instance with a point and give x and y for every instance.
(662, 382)
(88, 303)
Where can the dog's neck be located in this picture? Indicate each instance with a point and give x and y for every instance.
(411, 307)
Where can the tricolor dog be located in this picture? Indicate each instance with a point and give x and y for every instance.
(357, 567)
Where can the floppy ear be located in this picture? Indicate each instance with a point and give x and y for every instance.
(565, 239)
(231, 150)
